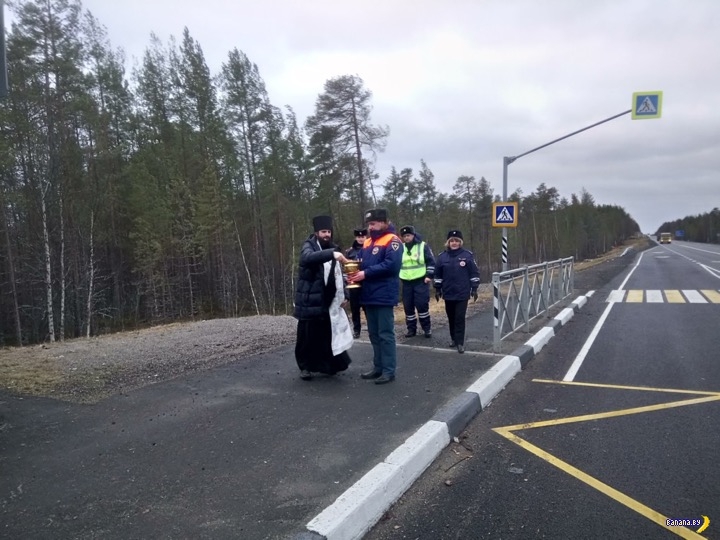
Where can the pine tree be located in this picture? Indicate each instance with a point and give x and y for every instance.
(343, 112)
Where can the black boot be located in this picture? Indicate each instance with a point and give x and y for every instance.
(411, 333)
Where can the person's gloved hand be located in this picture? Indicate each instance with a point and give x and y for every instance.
(474, 295)
(438, 295)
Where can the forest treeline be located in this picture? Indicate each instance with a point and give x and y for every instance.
(173, 193)
(700, 228)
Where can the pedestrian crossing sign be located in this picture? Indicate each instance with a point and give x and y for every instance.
(646, 105)
(505, 214)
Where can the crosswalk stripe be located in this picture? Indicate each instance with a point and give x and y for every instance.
(616, 296)
(654, 296)
(674, 297)
(671, 296)
(713, 296)
(694, 297)
(634, 296)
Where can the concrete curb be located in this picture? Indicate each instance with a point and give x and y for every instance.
(360, 507)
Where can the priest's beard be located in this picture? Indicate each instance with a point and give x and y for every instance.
(325, 244)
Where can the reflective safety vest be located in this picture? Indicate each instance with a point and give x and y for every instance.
(413, 263)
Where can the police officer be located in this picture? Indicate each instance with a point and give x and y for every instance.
(416, 272)
(457, 278)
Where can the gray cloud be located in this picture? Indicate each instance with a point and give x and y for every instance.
(463, 83)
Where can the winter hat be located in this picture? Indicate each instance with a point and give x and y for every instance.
(455, 234)
(359, 232)
(376, 214)
(321, 223)
(407, 229)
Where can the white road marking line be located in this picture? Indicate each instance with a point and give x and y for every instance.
(580, 358)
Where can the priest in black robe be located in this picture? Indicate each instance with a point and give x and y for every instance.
(323, 333)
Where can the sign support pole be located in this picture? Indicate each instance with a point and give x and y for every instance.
(507, 160)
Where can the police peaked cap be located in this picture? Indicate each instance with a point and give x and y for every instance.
(376, 214)
(407, 229)
(321, 223)
(455, 234)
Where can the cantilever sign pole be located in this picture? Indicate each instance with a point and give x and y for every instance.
(507, 160)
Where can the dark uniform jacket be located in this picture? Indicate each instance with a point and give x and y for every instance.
(312, 297)
(456, 274)
(381, 259)
(353, 252)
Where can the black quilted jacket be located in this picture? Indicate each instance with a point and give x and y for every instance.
(311, 297)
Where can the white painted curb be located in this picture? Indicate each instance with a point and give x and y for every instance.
(491, 383)
(361, 506)
(539, 340)
(564, 316)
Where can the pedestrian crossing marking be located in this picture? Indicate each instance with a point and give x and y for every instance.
(694, 297)
(616, 296)
(654, 296)
(713, 296)
(670, 296)
(634, 296)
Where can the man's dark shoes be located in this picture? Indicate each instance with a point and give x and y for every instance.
(461, 349)
(410, 333)
(452, 345)
(305, 375)
(428, 334)
(384, 379)
(356, 334)
(371, 375)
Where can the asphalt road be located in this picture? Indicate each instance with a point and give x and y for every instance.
(243, 451)
(640, 445)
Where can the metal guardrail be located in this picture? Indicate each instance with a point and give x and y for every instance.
(525, 293)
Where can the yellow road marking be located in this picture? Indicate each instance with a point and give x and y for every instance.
(611, 492)
(623, 387)
(634, 295)
(645, 511)
(613, 414)
(713, 296)
(674, 297)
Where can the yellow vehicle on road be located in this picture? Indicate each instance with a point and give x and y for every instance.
(665, 238)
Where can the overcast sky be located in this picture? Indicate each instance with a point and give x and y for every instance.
(462, 83)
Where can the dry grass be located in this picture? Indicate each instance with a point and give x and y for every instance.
(36, 371)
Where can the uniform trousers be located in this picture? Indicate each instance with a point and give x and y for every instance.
(381, 329)
(416, 296)
(456, 310)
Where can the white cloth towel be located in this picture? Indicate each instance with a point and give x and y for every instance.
(342, 336)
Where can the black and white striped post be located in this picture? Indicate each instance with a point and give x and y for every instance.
(496, 311)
